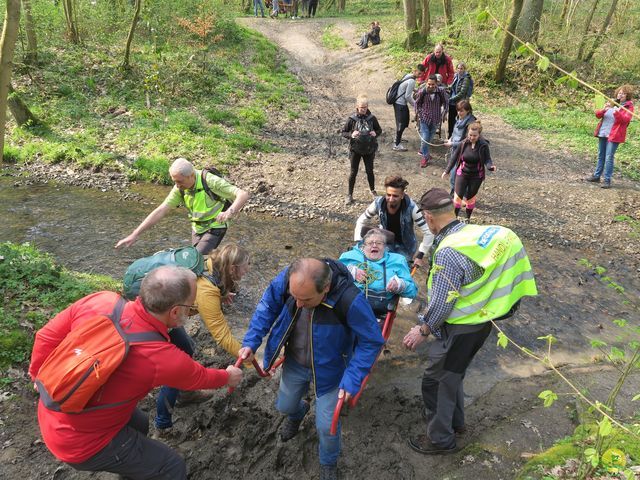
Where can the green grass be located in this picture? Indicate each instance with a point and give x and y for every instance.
(206, 100)
(332, 39)
(33, 289)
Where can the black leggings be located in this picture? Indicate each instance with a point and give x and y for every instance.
(467, 187)
(402, 120)
(312, 8)
(452, 117)
(355, 165)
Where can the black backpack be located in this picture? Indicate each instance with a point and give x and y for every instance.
(392, 93)
(205, 186)
(364, 144)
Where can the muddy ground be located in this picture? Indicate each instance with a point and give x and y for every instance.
(536, 191)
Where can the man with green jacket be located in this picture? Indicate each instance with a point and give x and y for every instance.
(478, 274)
(207, 213)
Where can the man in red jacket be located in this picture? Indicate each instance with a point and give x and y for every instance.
(113, 438)
(438, 62)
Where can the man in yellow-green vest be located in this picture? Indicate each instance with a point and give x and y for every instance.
(206, 209)
(478, 274)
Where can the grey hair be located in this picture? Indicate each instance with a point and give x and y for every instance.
(463, 65)
(375, 232)
(182, 166)
(436, 212)
(166, 287)
(315, 269)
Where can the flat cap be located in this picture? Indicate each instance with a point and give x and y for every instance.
(435, 198)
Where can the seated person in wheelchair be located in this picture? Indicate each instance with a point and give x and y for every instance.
(380, 274)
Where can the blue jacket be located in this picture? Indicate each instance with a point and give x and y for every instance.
(389, 265)
(343, 350)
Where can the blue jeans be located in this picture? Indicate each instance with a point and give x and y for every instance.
(293, 386)
(256, 4)
(167, 396)
(427, 131)
(606, 152)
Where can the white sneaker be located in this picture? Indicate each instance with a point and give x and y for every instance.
(399, 148)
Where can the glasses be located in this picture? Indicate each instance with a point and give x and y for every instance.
(371, 243)
(190, 307)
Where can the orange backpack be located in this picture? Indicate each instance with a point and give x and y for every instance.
(85, 359)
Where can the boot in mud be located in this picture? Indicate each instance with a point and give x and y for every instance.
(290, 427)
(328, 472)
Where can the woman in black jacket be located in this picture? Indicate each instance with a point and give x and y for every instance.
(472, 158)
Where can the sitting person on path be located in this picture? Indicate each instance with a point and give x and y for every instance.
(460, 90)
(401, 106)
(380, 274)
(224, 269)
(398, 213)
(488, 268)
(471, 158)
(110, 435)
(431, 105)
(330, 336)
(464, 118)
(611, 132)
(361, 129)
(372, 36)
(438, 62)
(209, 219)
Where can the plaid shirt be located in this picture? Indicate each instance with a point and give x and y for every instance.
(429, 107)
(458, 270)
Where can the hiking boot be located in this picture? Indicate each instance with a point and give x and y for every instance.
(328, 472)
(348, 200)
(193, 396)
(164, 433)
(606, 184)
(592, 179)
(290, 427)
(422, 444)
(424, 161)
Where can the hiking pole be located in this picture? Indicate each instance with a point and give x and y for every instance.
(258, 368)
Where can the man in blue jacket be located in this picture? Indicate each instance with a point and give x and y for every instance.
(330, 336)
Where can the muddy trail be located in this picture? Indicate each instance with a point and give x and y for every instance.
(537, 192)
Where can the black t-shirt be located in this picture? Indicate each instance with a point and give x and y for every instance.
(393, 224)
(471, 156)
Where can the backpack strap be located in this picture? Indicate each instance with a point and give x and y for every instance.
(205, 186)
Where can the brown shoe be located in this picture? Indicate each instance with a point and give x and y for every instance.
(422, 444)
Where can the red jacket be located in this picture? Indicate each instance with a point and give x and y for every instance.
(621, 120)
(446, 69)
(76, 438)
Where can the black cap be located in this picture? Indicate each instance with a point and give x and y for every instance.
(435, 198)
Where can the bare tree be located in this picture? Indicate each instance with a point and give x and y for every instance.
(71, 21)
(7, 47)
(507, 41)
(341, 5)
(425, 24)
(410, 24)
(565, 9)
(529, 23)
(587, 27)
(134, 22)
(32, 41)
(448, 13)
(602, 32)
(20, 111)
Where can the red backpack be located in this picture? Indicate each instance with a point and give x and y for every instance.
(85, 359)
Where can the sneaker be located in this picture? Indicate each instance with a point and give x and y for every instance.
(399, 148)
(290, 427)
(606, 184)
(592, 179)
(348, 200)
(328, 472)
(424, 161)
(193, 396)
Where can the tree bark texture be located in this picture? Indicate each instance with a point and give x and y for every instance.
(134, 22)
(587, 27)
(341, 5)
(7, 48)
(69, 16)
(565, 8)
(30, 29)
(448, 12)
(425, 24)
(507, 41)
(410, 23)
(20, 110)
(602, 32)
(529, 23)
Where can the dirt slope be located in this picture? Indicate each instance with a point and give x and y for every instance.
(536, 191)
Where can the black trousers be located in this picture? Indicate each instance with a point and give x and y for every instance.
(209, 240)
(355, 158)
(452, 117)
(401, 113)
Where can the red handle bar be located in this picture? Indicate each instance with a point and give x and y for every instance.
(258, 368)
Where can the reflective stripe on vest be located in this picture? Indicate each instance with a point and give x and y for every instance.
(507, 273)
(202, 208)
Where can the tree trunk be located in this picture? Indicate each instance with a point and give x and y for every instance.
(529, 23)
(602, 31)
(7, 47)
(134, 22)
(72, 30)
(410, 24)
(20, 110)
(425, 24)
(507, 42)
(32, 41)
(565, 8)
(448, 15)
(341, 5)
(587, 27)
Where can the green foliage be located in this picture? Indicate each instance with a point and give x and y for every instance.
(548, 397)
(331, 39)
(33, 288)
(503, 340)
